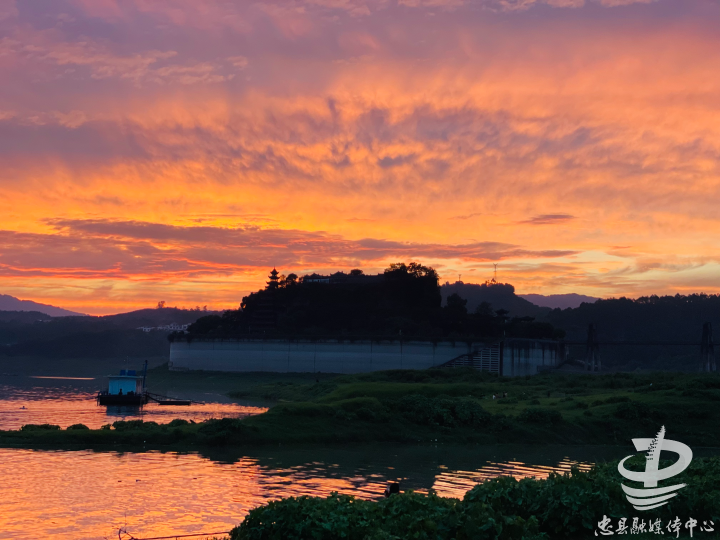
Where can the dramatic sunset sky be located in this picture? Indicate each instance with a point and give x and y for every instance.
(178, 149)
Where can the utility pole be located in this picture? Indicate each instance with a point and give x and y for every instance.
(707, 349)
(592, 350)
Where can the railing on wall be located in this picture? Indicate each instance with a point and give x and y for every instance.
(485, 359)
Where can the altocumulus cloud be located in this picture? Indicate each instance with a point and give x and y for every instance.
(102, 248)
(548, 219)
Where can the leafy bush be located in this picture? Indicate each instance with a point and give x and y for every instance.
(345, 416)
(368, 415)
(697, 412)
(129, 425)
(408, 515)
(126, 425)
(303, 409)
(222, 431)
(39, 427)
(443, 411)
(363, 408)
(713, 395)
(581, 405)
(77, 427)
(618, 399)
(534, 415)
(633, 411)
(178, 422)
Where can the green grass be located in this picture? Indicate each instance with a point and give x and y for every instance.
(161, 379)
(448, 405)
(593, 408)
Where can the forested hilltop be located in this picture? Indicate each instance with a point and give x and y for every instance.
(405, 300)
(648, 318)
(666, 330)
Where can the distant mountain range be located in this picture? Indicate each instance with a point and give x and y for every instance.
(35, 334)
(10, 303)
(502, 296)
(499, 296)
(562, 301)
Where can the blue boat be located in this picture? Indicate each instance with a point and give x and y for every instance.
(128, 388)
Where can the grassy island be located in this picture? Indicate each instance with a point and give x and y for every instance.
(447, 405)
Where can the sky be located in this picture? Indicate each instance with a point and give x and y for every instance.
(177, 150)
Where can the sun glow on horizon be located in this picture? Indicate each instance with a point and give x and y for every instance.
(181, 155)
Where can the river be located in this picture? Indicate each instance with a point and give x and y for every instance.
(85, 494)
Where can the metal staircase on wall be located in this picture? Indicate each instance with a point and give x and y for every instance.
(485, 359)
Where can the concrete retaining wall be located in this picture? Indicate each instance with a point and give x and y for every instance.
(528, 357)
(520, 357)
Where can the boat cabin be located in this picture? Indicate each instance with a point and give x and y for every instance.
(128, 382)
(128, 388)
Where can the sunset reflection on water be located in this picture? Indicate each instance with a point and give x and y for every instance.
(457, 483)
(89, 495)
(21, 406)
(83, 494)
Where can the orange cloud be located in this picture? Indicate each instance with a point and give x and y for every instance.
(439, 131)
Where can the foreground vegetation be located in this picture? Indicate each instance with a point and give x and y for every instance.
(447, 405)
(559, 508)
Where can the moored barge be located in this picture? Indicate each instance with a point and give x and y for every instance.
(128, 388)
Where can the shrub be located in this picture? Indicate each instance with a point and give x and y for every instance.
(535, 415)
(443, 411)
(77, 427)
(408, 515)
(345, 416)
(618, 399)
(178, 422)
(368, 415)
(304, 409)
(633, 411)
(222, 431)
(127, 425)
(39, 427)
(308, 517)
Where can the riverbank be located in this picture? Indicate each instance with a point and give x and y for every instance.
(444, 405)
(561, 507)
